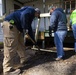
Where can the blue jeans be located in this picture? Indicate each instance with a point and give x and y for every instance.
(74, 33)
(59, 37)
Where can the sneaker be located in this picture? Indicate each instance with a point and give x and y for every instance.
(16, 72)
(17, 66)
(58, 58)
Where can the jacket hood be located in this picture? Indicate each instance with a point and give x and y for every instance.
(59, 9)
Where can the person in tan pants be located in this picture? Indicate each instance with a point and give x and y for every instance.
(14, 26)
(13, 42)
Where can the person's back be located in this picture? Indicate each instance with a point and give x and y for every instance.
(58, 24)
(14, 26)
(60, 19)
(16, 16)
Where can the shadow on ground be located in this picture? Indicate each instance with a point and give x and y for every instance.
(43, 62)
(44, 57)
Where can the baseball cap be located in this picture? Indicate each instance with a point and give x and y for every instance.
(50, 7)
(37, 10)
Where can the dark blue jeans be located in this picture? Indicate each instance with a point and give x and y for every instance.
(74, 33)
(59, 37)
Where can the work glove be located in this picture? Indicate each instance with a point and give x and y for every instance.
(35, 43)
(25, 31)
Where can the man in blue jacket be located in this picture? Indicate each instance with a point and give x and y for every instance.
(14, 25)
(58, 23)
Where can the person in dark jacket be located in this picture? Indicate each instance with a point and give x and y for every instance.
(14, 25)
(58, 23)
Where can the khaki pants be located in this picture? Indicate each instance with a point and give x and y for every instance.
(13, 42)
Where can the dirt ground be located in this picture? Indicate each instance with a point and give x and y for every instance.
(44, 63)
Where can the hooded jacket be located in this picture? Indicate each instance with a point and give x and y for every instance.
(58, 20)
(23, 19)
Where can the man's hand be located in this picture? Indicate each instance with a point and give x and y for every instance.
(26, 31)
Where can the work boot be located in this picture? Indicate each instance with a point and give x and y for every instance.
(17, 66)
(16, 72)
(23, 61)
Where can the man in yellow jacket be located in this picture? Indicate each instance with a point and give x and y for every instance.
(73, 23)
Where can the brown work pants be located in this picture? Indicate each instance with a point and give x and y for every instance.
(13, 42)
